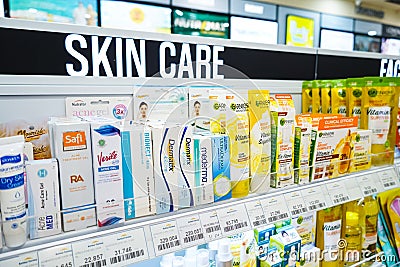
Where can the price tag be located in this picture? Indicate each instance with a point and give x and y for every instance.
(190, 231)
(211, 225)
(275, 209)
(234, 220)
(165, 237)
(338, 193)
(60, 256)
(256, 214)
(27, 260)
(389, 179)
(295, 203)
(126, 247)
(353, 188)
(314, 198)
(89, 253)
(367, 185)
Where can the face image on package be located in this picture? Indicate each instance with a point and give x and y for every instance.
(35, 132)
(199, 105)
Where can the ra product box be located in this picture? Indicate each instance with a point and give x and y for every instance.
(260, 140)
(302, 143)
(282, 140)
(203, 158)
(73, 150)
(221, 167)
(137, 171)
(305, 226)
(161, 103)
(118, 108)
(44, 198)
(360, 150)
(107, 169)
(166, 172)
(217, 110)
(199, 105)
(288, 244)
(333, 147)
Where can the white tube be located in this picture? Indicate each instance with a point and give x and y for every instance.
(12, 195)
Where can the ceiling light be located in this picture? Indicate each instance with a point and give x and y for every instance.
(372, 33)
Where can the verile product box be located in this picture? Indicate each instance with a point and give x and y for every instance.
(166, 172)
(199, 105)
(107, 169)
(305, 226)
(361, 150)
(302, 143)
(203, 158)
(288, 244)
(221, 167)
(118, 108)
(73, 150)
(217, 110)
(43, 198)
(137, 171)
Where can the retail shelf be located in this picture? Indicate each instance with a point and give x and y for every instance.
(161, 234)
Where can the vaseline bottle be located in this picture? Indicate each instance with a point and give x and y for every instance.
(352, 236)
(329, 226)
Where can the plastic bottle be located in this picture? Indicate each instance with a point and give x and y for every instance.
(166, 260)
(190, 257)
(352, 235)
(369, 224)
(224, 257)
(213, 249)
(202, 258)
(178, 261)
(329, 225)
(244, 257)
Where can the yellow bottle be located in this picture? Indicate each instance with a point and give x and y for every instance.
(344, 156)
(352, 236)
(368, 223)
(329, 226)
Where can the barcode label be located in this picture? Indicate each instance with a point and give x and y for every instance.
(168, 245)
(260, 222)
(213, 229)
(235, 226)
(125, 257)
(317, 206)
(95, 264)
(192, 238)
(389, 184)
(341, 199)
(278, 217)
(371, 191)
(299, 211)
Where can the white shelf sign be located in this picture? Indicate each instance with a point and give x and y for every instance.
(256, 214)
(295, 203)
(126, 247)
(338, 193)
(165, 237)
(26, 260)
(234, 219)
(60, 256)
(211, 226)
(275, 209)
(367, 185)
(389, 179)
(190, 231)
(314, 198)
(89, 253)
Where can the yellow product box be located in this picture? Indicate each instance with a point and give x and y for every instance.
(302, 144)
(338, 97)
(217, 110)
(316, 97)
(282, 140)
(333, 148)
(354, 96)
(379, 103)
(360, 150)
(260, 140)
(237, 128)
(306, 98)
(326, 100)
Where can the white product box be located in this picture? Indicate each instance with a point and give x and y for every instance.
(72, 147)
(166, 172)
(161, 103)
(217, 110)
(137, 171)
(221, 167)
(203, 159)
(118, 108)
(44, 198)
(107, 169)
(199, 106)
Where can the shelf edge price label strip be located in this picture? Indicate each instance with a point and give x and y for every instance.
(89, 253)
(27, 259)
(275, 209)
(367, 185)
(165, 237)
(389, 179)
(295, 203)
(353, 188)
(211, 225)
(314, 198)
(190, 231)
(126, 247)
(60, 256)
(234, 220)
(338, 193)
(256, 214)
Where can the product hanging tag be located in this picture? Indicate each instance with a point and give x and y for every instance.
(295, 203)
(314, 198)
(367, 185)
(89, 252)
(338, 193)
(165, 237)
(275, 208)
(256, 214)
(126, 247)
(190, 231)
(211, 225)
(234, 220)
(389, 179)
(56, 256)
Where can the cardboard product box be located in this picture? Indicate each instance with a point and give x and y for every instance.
(199, 108)
(221, 167)
(361, 150)
(288, 244)
(302, 143)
